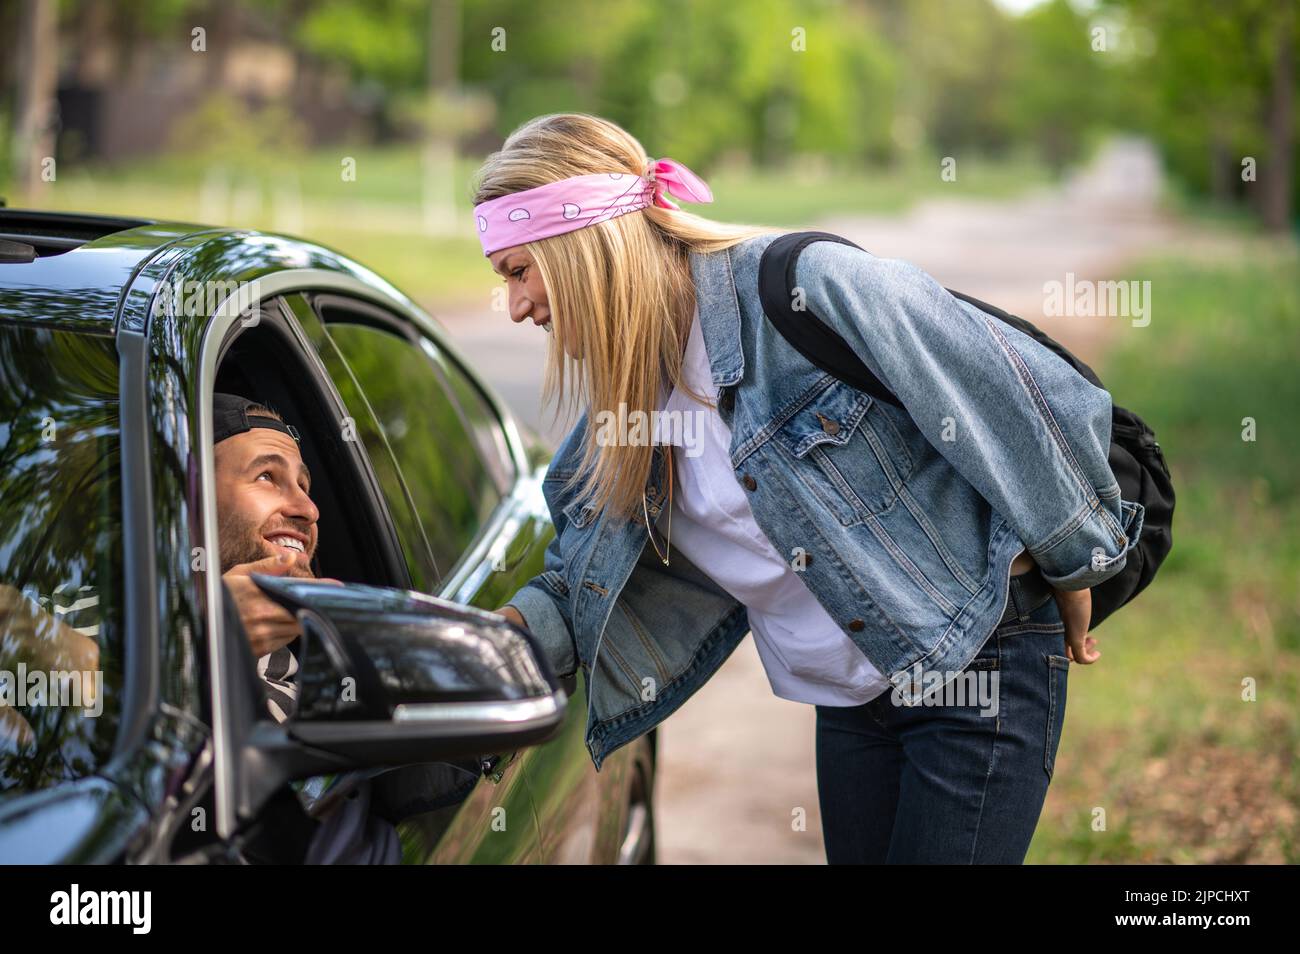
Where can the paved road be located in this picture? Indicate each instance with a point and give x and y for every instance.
(737, 780)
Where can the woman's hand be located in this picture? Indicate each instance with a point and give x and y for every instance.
(1076, 613)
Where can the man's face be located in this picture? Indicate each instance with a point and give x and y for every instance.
(263, 507)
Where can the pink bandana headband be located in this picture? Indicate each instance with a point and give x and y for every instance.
(579, 201)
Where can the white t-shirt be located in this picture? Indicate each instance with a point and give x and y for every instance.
(807, 657)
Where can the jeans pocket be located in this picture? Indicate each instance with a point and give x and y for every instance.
(1058, 672)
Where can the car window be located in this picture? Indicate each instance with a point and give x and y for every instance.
(60, 557)
(361, 425)
(432, 435)
(426, 442)
(478, 417)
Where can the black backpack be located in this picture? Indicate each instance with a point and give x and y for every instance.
(1135, 457)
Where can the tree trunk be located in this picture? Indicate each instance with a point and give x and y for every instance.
(1281, 132)
(223, 30)
(36, 113)
(439, 154)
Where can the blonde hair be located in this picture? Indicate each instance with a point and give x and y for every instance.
(621, 290)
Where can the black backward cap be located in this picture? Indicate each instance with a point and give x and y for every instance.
(230, 417)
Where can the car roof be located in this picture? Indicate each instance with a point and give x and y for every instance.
(83, 264)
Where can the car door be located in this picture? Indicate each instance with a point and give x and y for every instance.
(62, 641)
(412, 421)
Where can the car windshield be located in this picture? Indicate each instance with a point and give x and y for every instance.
(60, 556)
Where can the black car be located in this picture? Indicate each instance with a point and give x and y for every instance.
(114, 336)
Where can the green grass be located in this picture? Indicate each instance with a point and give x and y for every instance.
(376, 218)
(1157, 734)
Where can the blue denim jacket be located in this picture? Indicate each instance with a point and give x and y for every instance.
(907, 522)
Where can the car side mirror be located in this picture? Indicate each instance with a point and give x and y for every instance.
(392, 677)
(417, 677)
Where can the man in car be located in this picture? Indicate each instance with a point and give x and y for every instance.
(266, 523)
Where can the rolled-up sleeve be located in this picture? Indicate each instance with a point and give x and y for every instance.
(1025, 429)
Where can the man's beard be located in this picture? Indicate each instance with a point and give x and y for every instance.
(243, 542)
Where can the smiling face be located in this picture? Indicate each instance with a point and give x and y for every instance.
(263, 506)
(523, 278)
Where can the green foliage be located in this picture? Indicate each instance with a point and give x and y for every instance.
(1061, 86)
(1158, 733)
(767, 82)
(1202, 81)
(382, 41)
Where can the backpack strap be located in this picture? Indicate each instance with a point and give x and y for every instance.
(807, 333)
(821, 345)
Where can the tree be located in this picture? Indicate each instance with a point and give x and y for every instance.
(1223, 79)
(36, 109)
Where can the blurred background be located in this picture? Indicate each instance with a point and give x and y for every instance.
(1000, 145)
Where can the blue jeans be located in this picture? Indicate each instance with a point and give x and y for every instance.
(957, 783)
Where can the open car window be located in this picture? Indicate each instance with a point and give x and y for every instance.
(452, 467)
(361, 539)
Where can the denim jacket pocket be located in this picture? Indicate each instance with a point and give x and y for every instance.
(580, 514)
(846, 452)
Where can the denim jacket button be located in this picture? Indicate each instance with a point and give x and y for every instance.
(856, 625)
(1123, 540)
(750, 482)
(829, 426)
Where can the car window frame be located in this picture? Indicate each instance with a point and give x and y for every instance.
(362, 468)
(407, 502)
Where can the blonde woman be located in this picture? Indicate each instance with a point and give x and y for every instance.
(876, 553)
